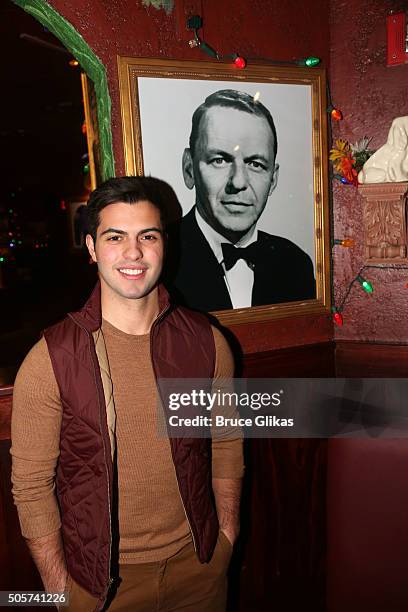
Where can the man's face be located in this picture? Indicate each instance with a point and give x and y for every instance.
(233, 169)
(129, 249)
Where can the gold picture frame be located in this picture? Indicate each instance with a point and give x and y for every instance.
(157, 100)
(92, 131)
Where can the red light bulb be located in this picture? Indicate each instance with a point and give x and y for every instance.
(240, 62)
(338, 318)
(336, 114)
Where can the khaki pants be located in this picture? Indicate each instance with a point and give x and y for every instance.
(178, 583)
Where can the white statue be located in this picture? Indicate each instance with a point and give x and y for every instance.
(390, 163)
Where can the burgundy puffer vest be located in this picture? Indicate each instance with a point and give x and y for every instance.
(182, 346)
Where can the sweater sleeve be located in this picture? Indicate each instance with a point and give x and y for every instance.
(35, 434)
(227, 454)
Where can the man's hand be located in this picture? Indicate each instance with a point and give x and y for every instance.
(48, 555)
(227, 493)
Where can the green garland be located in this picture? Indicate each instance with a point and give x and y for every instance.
(91, 64)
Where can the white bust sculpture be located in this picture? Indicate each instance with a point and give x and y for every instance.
(390, 163)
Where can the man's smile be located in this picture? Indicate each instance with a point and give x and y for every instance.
(132, 272)
(235, 203)
(234, 207)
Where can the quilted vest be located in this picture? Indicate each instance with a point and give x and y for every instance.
(182, 346)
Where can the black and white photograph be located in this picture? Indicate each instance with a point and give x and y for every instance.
(240, 156)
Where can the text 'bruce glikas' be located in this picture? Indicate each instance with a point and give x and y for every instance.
(221, 399)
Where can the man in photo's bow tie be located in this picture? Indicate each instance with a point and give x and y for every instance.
(224, 261)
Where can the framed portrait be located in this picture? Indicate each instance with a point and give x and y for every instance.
(245, 152)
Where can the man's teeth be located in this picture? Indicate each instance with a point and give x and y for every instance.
(130, 271)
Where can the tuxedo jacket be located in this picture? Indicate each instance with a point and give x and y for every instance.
(282, 273)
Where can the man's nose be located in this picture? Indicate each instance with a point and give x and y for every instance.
(133, 249)
(238, 178)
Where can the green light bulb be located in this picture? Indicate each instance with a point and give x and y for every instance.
(366, 285)
(312, 61)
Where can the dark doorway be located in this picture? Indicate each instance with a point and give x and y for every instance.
(44, 270)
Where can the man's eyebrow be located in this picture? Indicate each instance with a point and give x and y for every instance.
(212, 152)
(113, 230)
(151, 229)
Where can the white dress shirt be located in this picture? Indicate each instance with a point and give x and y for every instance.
(240, 278)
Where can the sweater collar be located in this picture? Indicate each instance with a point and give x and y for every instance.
(90, 315)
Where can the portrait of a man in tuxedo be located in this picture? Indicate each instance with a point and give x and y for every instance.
(224, 261)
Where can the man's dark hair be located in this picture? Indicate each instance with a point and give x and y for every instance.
(231, 98)
(127, 189)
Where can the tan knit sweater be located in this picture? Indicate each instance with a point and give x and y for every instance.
(152, 521)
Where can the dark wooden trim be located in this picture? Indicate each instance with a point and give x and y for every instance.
(309, 360)
(371, 360)
(17, 569)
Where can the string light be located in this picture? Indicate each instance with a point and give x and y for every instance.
(344, 242)
(239, 61)
(195, 23)
(337, 317)
(208, 50)
(366, 285)
(73, 63)
(335, 113)
(310, 62)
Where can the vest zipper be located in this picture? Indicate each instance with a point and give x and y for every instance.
(110, 580)
(155, 322)
(185, 512)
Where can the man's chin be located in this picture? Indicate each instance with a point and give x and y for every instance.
(235, 227)
(132, 293)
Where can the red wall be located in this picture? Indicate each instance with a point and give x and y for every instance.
(281, 30)
(370, 95)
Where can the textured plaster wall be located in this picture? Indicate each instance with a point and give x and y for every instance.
(281, 30)
(126, 27)
(370, 95)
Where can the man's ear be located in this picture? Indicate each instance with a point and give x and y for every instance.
(91, 247)
(274, 179)
(188, 171)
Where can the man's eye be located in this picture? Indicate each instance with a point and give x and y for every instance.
(149, 237)
(218, 161)
(256, 165)
(114, 238)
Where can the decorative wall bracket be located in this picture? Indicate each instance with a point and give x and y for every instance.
(385, 222)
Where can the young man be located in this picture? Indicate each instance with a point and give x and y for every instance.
(224, 260)
(111, 511)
